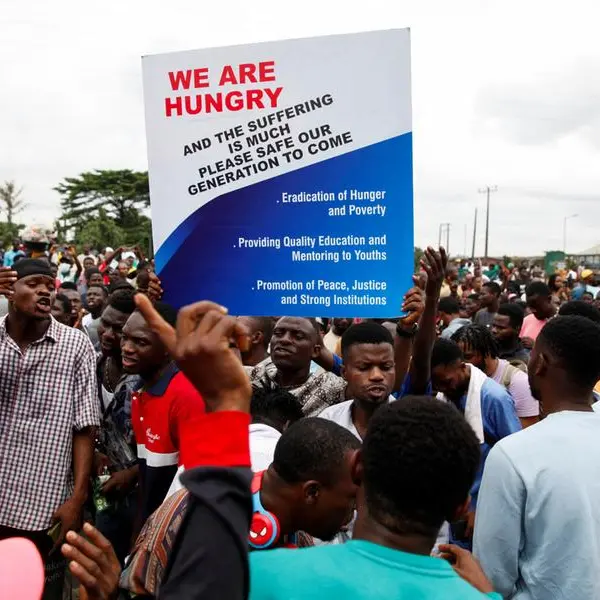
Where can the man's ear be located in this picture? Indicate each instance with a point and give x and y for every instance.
(257, 338)
(316, 351)
(541, 364)
(356, 467)
(461, 512)
(311, 490)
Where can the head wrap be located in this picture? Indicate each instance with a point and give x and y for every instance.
(32, 266)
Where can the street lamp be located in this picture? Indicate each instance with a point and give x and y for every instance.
(565, 232)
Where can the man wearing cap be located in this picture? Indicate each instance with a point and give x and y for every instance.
(48, 413)
(585, 285)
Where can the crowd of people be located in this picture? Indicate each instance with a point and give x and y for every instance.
(153, 453)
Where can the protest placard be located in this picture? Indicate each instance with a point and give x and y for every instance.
(281, 174)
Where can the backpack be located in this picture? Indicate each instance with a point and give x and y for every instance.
(513, 367)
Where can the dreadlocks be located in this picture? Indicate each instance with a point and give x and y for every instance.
(477, 338)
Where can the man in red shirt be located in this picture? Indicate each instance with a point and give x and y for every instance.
(165, 401)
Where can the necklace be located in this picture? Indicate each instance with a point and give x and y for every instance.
(106, 379)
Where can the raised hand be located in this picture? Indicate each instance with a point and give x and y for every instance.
(201, 346)
(7, 280)
(434, 263)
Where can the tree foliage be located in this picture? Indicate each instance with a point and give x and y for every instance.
(10, 197)
(8, 233)
(418, 256)
(103, 208)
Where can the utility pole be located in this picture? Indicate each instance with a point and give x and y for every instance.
(474, 235)
(444, 227)
(487, 190)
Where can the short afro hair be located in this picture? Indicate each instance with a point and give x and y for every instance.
(91, 271)
(99, 286)
(583, 309)
(368, 332)
(167, 312)
(66, 303)
(264, 324)
(313, 448)
(275, 407)
(537, 288)
(493, 287)
(574, 342)
(445, 352)
(515, 314)
(478, 339)
(122, 300)
(420, 459)
(68, 285)
(449, 305)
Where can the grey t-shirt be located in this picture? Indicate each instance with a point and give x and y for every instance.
(484, 317)
(454, 326)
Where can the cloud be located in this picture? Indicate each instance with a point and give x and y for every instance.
(546, 107)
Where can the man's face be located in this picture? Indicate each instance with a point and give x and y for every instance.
(58, 312)
(471, 356)
(294, 343)
(123, 269)
(487, 297)
(477, 283)
(95, 299)
(452, 274)
(96, 279)
(588, 298)
(325, 513)
(503, 331)
(142, 353)
(110, 330)
(75, 298)
(33, 296)
(370, 372)
(452, 380)
(472, 306)
(339, 326)
(88, 263)
(540, 306)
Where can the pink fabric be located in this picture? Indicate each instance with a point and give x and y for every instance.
(21, 570)
(525, 404)
(531, 327)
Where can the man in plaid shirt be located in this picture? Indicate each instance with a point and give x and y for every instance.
(48, 413)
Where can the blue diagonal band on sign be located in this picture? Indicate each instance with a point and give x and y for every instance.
(202, 257)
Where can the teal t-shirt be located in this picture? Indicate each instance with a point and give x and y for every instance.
(352, 571)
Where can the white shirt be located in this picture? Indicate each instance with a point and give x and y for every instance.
(342, 415)
(331, 340)
(263, 440)
(537, 530)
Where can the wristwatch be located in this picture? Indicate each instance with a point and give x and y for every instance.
(407, 332)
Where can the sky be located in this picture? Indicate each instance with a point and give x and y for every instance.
(505, 93)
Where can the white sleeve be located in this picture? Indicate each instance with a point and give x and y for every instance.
(498, 521)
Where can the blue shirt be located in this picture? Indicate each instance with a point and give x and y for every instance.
(357, 570)
(537, 528)
(9, 257)
(500, 419)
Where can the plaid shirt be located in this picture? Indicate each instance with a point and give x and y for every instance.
(46, 392)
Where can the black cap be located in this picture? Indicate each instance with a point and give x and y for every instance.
(32, 266)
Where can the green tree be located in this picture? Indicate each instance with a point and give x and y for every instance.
(116, 192)
(101, 231)
(418, 256)
(103, 208)
(8, 233)
(12, 203)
